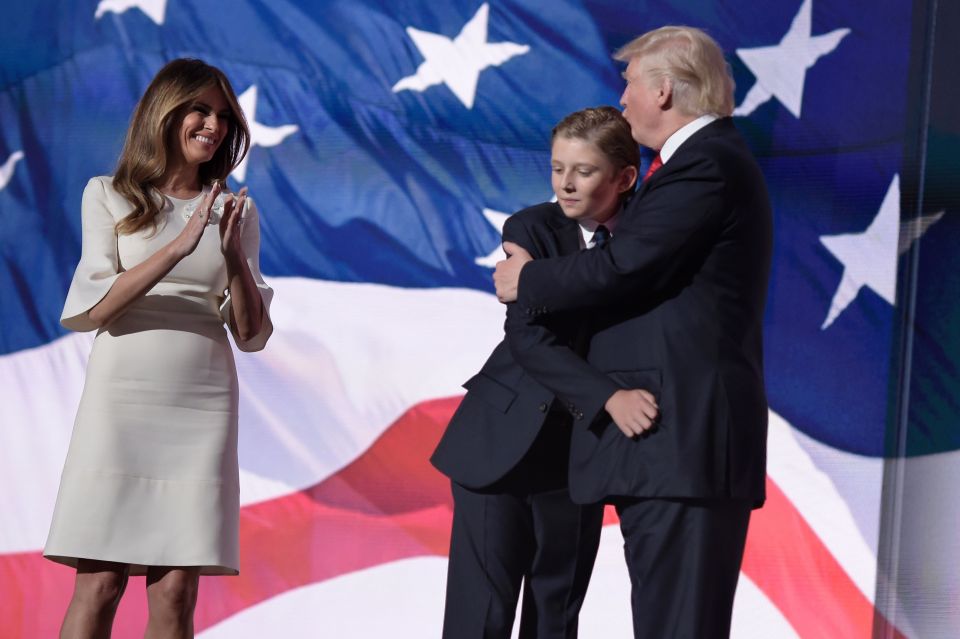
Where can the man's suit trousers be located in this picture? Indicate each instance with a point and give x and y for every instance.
(683, 556)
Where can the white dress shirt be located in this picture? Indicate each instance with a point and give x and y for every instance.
(682, 134)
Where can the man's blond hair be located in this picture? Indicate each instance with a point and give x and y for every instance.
(692, 62)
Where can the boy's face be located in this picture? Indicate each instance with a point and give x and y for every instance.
(586, 183)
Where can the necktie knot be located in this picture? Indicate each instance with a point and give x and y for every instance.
(601, 236)
(656, 164)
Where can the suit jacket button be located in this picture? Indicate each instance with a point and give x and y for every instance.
(543, 407)
(579, 414)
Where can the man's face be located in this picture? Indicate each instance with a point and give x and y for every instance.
(642, 105)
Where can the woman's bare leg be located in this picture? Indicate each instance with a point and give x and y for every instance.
(96, 594)
(171, 597)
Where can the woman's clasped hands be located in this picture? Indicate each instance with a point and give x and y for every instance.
(231, 223)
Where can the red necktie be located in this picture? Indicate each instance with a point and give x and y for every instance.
(656, 164)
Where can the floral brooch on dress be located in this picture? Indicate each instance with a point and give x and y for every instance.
(216, 210)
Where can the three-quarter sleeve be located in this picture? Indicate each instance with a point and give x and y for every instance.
(250, 239)
(99, 265)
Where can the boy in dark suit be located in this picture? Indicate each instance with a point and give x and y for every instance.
(506, 449)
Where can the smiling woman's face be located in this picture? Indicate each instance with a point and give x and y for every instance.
(587, 184)
(204, 127)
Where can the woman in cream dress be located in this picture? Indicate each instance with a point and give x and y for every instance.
(150, 483)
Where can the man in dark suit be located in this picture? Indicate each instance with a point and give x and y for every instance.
(507, 447)
(683, 285)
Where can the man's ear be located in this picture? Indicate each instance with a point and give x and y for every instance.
(665, 93)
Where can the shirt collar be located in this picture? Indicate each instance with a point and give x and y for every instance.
(682, 134)
(589, 227)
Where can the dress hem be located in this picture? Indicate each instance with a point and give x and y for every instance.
(140, 569)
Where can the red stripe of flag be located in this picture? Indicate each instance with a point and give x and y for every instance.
(390, 504)
(786, 559)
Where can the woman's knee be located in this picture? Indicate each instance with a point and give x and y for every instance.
(175, 592)
(100, 586)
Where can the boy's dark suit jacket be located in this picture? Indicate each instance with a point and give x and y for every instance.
(505, 408)
(682, 286)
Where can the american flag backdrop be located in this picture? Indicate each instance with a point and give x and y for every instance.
(390, 141)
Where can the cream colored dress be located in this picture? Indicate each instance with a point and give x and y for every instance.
(151, 475)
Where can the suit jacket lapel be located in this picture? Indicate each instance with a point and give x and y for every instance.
(721, 126)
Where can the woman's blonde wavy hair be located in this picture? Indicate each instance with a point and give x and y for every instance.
(151, 138)
(694, 64)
